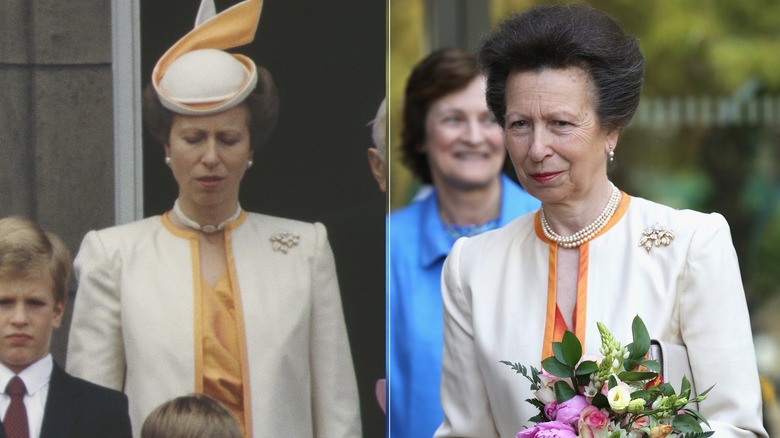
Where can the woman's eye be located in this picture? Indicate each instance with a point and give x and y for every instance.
(518, 124)
(192, 139)
(229, 140)
(561, 123)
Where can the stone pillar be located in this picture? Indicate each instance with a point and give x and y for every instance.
(56, 125)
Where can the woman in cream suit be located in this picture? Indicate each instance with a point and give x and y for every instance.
(563, 81)
(208, 298)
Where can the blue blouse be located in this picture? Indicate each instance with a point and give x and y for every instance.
(418, 245)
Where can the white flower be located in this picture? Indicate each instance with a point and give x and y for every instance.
(619, 398)
(545, 394)
(591, 390)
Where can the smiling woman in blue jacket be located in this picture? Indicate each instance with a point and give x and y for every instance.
(452, 141)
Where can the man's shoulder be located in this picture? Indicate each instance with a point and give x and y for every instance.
(60, 379)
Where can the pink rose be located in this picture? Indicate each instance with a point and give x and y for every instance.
(550, 409)
(569, 411)
(593, 422)
(550, 429)
(641, 422)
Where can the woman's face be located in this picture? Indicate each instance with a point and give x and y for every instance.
(462, 140)
(553, 135)
(209, 157)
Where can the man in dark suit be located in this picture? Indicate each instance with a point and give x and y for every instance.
(38, 398)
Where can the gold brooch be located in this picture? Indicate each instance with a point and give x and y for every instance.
(656, 236)
(283, 241)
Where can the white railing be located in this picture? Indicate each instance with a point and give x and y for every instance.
(705, 111)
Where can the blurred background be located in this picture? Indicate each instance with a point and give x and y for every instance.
(706, 135)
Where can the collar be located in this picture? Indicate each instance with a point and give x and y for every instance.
(35, 376)
(436, 243)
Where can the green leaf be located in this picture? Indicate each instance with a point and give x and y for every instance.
(600, 401)
(636, 376)
(612, 382)
(557, 349)
(587, 367)
(685, 386)
(666, 389)
(697, 414)
(536, 402)
(703, 395)
(643, 394)
(563, 391)
(572, 349)
(686, 423)
(556, 368)
(638, 349)
(697, 434)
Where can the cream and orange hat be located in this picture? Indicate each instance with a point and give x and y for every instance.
(196, 76)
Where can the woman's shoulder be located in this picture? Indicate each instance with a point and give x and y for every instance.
(268, 220)
(267, 226)
(682, 222)
(130, 230)
(410, 213)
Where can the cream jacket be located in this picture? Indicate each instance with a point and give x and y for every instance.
(495, 293)
(136, 324)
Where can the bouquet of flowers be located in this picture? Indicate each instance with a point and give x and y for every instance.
(621, 396)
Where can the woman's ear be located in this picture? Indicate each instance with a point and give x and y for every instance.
(612, 140)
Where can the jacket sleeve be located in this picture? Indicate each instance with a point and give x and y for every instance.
(95, 346)
(464, 396)
(715, 327)
(336, 411)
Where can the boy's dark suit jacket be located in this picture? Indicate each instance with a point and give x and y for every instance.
(76, 408)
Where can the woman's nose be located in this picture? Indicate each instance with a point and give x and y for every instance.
(474, 132)
(539, 147)
(210, 154)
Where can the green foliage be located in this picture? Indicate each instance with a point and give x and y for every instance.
(553, 366)
(639, 347)
(572, 350)
(563, 391)
(636, 376)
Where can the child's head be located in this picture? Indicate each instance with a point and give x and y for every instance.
(34, 269)
(191, 416)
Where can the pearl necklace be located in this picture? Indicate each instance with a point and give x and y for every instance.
(588, 232)
(208, 229)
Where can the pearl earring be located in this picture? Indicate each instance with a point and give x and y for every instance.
(611, 156)
(168, 161)
(249, 164)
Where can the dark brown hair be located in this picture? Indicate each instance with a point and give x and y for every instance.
(562, 36)
(442, 72)
(262, 103)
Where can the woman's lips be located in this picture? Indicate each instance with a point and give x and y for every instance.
(544, 177)
(471, 155)
(209, 182)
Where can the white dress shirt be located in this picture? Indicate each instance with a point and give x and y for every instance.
(36, 380)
